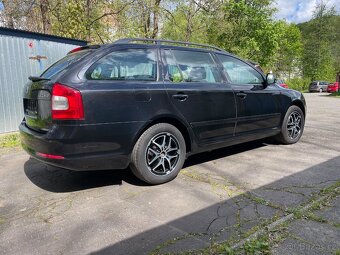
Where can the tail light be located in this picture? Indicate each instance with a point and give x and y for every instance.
(67, 103)
(44, 155)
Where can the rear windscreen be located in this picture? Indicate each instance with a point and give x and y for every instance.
(63, 63)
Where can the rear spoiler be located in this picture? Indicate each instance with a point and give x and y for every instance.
(96, 46)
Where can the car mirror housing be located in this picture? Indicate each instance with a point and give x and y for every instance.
(270, 79)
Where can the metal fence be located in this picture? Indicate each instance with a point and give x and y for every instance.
(21, 57)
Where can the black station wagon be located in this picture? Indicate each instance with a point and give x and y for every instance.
(150, 104)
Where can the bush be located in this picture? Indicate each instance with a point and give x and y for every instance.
(300, 84)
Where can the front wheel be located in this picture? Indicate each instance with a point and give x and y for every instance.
(158, 154)
(292, 126)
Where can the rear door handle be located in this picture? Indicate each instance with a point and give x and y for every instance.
(241, 95)
(180, 97)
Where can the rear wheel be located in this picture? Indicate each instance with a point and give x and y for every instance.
(292, 126)
(159, 154)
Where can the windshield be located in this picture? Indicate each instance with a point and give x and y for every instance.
(63, 63)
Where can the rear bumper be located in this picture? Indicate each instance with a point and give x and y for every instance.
(314, 89)
(97, 147)
(331, 90)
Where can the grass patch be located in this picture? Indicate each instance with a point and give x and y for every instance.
(335, 94)
(9, 141)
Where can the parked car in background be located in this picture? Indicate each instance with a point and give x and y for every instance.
(333, 87)
(318, 86)
(282, 83)
(149, 106)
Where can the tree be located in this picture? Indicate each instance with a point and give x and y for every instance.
(318, 62)
(188, 22)
(287, 59)
(246, 28)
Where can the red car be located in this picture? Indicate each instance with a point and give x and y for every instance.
(282, 83)
(333, 87)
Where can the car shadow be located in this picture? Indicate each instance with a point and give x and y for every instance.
(226, 151)
(56, 179)
(61, 180)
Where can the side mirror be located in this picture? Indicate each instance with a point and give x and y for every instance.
(270, 79)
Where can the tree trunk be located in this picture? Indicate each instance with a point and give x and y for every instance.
(46, 23)
(155, 18)
(188, 29)
(9, 21)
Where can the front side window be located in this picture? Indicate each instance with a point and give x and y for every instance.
(190, 66)
(239, 72)
(131, 64)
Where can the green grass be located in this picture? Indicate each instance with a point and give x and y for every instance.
(335, 94)
(8, 141)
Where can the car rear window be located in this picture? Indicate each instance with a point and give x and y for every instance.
(63, 63)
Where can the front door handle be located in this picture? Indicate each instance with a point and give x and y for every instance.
(241, 95)
(180, 97)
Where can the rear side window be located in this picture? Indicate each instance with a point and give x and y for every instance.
(130, 64)
(63, 63)
(190, 66)
(239, 72)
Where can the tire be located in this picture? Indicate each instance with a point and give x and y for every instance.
(292, 129)
(158, 154)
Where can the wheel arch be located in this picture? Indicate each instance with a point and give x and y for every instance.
(299, 104)
(173, 121)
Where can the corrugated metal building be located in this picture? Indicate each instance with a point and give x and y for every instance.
(23, 54)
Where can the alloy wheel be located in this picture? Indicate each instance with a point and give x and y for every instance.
(162, 154)
(294, 125)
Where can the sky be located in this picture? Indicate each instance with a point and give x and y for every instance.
(298, 11)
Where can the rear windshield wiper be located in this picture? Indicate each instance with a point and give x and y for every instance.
(37, 78)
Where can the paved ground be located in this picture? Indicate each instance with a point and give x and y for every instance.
(219, 196)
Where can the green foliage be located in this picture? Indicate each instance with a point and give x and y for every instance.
(228, 250)
(318, 62)
(287, 60)
(246, 28)
(259, 246)
(186, 23)
(300, 84)
(335, 94)
(9, 140)
(75, 19)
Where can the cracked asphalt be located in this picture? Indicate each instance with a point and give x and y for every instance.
(219, 196)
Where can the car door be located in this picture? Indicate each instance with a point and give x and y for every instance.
(196, 90)
(258, 106)
(123, 86)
